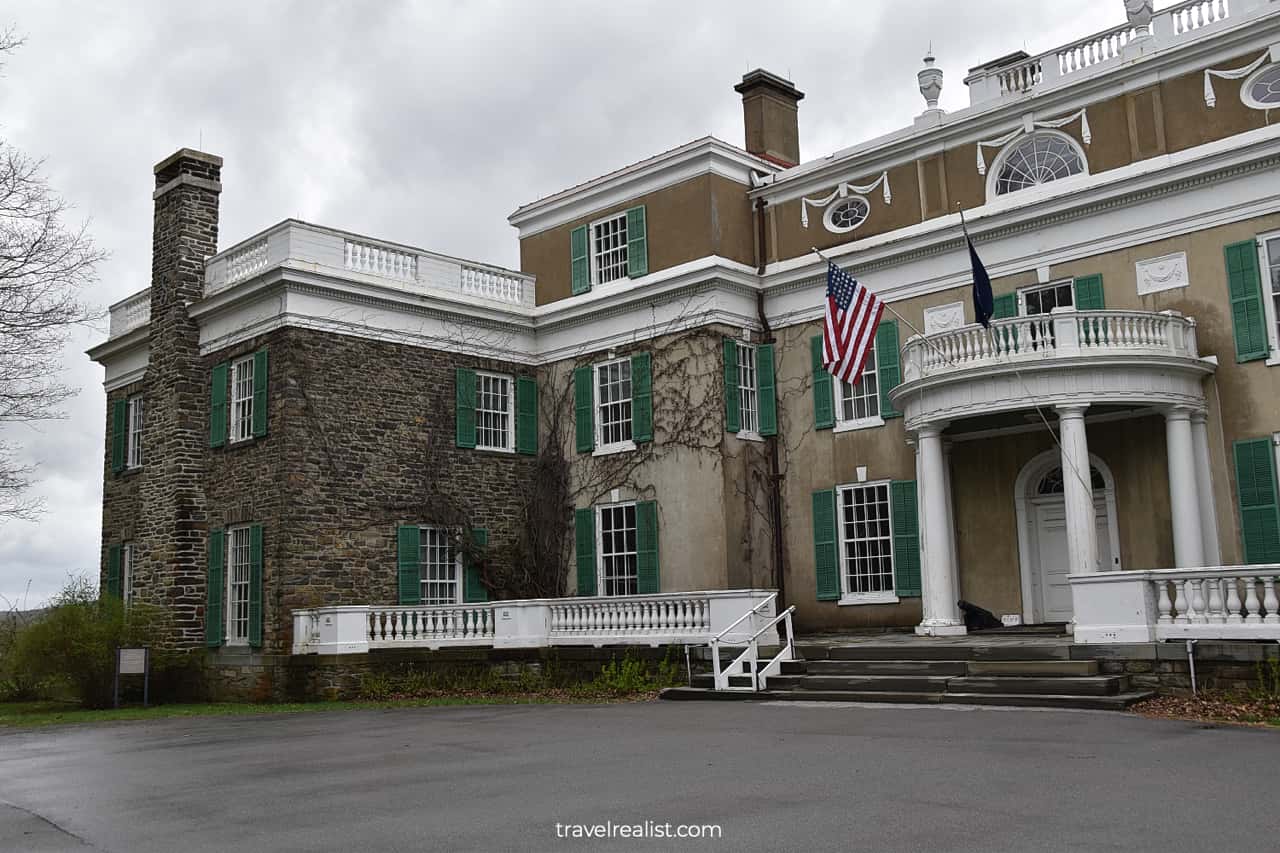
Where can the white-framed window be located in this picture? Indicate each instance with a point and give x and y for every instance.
(1269, 258)
(1261, 90)
(495, 412)
(608, 249)
(242, 399)
(238, 552)
(846, 215)
(858, 404)
(133, 437)
(748, 391)
(864, 531)
(127, 555)
(1043, 298)
(613, 405)
(440, 567)
(1034, 159)
(616, 545)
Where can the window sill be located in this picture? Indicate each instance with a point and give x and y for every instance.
(610, 449)
(851, 600)
(749, 436)
(241, 443)
(1274, 359)
(865, 423)
(506, 451)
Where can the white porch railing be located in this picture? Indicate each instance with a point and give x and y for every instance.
(1063, 333)
(1213, 603)
(654, 620)
(129, 314)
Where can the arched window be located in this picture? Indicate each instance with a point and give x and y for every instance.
(1036, 159)
(1262, 90)
(1051, 483)
(847, 214)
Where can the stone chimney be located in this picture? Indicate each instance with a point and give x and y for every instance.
(172, 521)
(769, 105)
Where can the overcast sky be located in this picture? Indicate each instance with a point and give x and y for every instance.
(425, 123)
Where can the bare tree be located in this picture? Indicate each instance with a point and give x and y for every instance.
(44, 267)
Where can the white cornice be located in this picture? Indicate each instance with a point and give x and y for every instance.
(700, 157)
(991, 118)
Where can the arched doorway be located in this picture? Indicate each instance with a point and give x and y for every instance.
(1042, 534)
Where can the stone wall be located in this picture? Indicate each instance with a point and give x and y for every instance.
(1165, 667)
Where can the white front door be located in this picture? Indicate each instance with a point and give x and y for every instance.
(1049, 524)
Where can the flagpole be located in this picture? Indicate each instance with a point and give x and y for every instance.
(885, 302)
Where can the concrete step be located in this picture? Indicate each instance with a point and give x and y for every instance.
(1066, 685)
(861, 683)
(1117, 702)
(887, 667)
(1114, 702)
(943, 651)
(1032, 667)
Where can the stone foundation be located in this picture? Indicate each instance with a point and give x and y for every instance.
(1164, 666)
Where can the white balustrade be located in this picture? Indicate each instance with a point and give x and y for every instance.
(247, 261)
(1094, 49)
(381, 261)
(465, 625)
(1197, 14)
(130, 314)
(491, 284)
(628, 617)
(1213, 603)
(1021, 77)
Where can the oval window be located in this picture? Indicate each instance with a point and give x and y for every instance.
(847, 214)
(1262, 90)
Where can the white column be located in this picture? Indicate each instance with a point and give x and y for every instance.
(941, 616)
(951, 519)
(1077, 488)
(1204, 489)
(1188, 545)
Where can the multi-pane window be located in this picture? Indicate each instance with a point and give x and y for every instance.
(439, 566)
(238, 585)
(1272, 289)
(242, 399)
(1042, 300)
(613, 402)
(866, 540)
(859, 403)
(133, 445)
(495, 411)
(618, 563)
(748, 390)
(126, 571)
(1037, 159)
(609, 249)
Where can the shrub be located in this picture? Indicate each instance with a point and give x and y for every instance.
(74, 643)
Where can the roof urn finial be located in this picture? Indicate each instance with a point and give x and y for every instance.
(1139, 13)
(930, 80)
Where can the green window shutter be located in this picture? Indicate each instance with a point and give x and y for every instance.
(906, 537)
(1004, 305)
(526, 415)
(637, 243)
(1244, 287)
(465, 398)
(641, 398)
(732, 399)
(472, 589)
(260, 393)
(218, 405)
(113, 571)
(409, 563)
(1089, 293)
(766, 382)
(579, 265)
(887, 366)
(1256, 487)
(118, 434)
(824, 407)
(647, 547)
(584, 542)
(215, 589)
(825, 560)
(583, 409)
(255, 584)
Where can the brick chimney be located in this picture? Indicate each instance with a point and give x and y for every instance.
(769, 105)
(172, 520)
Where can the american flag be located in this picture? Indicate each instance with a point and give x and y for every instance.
(853, 313)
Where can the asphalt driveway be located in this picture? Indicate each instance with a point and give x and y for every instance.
(771, 776)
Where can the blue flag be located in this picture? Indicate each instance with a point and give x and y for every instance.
(983, 301)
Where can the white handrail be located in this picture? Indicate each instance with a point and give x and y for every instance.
(751, 654)
(747, 615)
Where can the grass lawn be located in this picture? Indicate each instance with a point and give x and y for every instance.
(22, 714)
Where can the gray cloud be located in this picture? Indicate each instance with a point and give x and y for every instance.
(421, 122)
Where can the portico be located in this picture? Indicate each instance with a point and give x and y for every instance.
(1046, 375)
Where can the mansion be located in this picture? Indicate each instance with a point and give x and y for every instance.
(310, 418)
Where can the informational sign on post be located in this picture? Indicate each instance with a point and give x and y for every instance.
(133, 662)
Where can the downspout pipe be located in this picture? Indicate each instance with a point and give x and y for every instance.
(775, 472)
